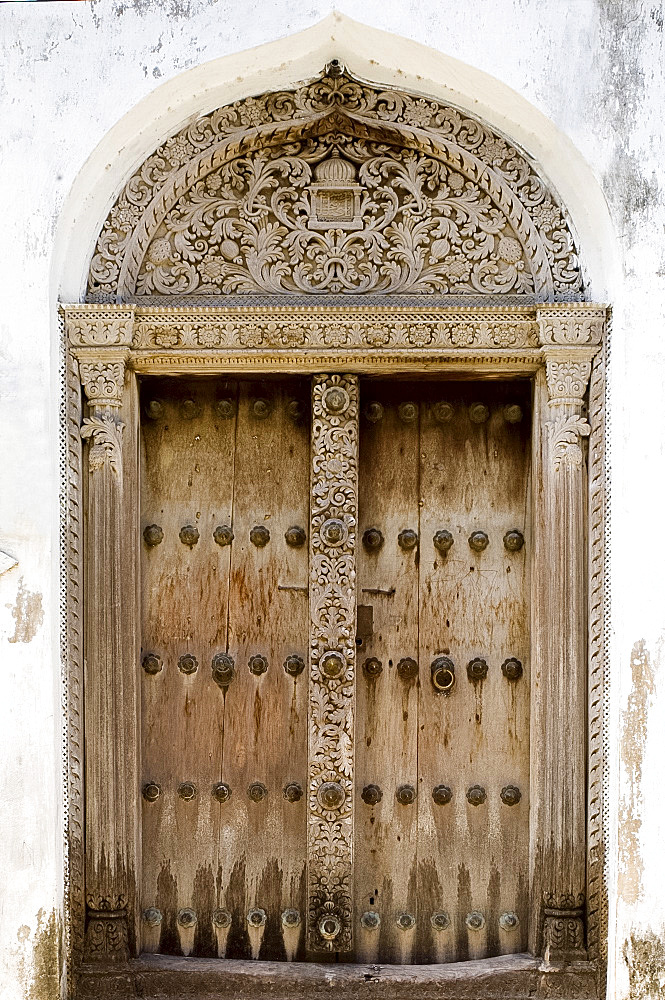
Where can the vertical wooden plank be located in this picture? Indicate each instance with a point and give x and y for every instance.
(474, 741)
(186, 495)
(333, 532)
(387, 696)
(265, 746)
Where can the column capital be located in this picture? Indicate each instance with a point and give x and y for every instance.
(568, 371)
(102, 373)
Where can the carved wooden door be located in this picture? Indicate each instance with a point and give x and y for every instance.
(335, 701)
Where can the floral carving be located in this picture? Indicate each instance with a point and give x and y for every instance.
(567, 380)
(332, 611)
(582, 324)
(335, 187)
(565, 444)
(100, 329)
(102, 380)
(105, 433)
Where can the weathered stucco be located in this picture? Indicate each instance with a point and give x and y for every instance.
(592, 73)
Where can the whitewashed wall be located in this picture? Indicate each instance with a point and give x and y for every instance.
(581, 85)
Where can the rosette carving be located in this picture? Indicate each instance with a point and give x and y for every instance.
(333, 532)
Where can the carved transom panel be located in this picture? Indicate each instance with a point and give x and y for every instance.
(336, 187)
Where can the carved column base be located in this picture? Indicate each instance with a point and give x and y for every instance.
(106, 937)
(563, 937)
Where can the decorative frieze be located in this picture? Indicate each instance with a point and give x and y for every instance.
(578, 324)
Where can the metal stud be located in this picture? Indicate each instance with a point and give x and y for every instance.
(221, 918)
(257, 791)
(261, 408)
(295, 410)
(405, 921)
(152, 663)
(513, 540)
(329, 926)
(336, 399)
(222, 792)
(475, 921)
(512, 413)
(477, 669)
(223, 534)
(370, 920)
(334, 531)
(258, 664)
(259, 536)
(373, 412)
(372, 539)
(509, 921)
(188, 664)
(152, 916)
(443, 541)
(293, 791)
(187, 791)
(331, 795)
(372, 666)
(153, 535)
(371, 795)
(291, 918)
(294, 665)
(154, 409)
(187, 917)
(407, 668)
(151, 791)
(223, 669)
(225, 408)
(478, 413)
(476, 795)
(478, 541)
(407, 539)
(440, 921)
(256, 917)
(443, 412)
(295, 536)
(405, 795)
(443, 674)
(408, 412)
(442, 795)
(189, 409)
(512, 669)
(510, 795)
(332, 664)
(189, 535)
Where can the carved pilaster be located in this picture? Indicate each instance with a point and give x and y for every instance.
(332, 668)
(101, 345)
(559, 688)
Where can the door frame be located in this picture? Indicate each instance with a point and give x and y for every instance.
(562, 347)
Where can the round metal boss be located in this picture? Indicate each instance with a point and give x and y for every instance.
(372, 666)
(261, 408)
(373, 412)
(336, 399)
(405, 921)
(294, 665)
(223, 669)
(331, 795)
(293, 791)
(440, 921)
(221, 918)
(407, 539)
(405, 795)
(222, 792)
(513, 540)
(223, 534)
(332, 665)
(371, 795)
(225, 408)
(329, 927)
(258, 664)
(476, 795)
(187, 917)
(477, 669)
(187, 790)
(407, 668)
(408, 412)
(259, 535)
(443, 541)
(291, 918)
(153, 535)
(372, 539)
(478, 541)
(370, 920)
(443, 674)
(152, 916)
(510, 795)
(257, 791)
(152, 663)
(188, 664)
(475, 921)
(256, 917)
(443, 412)
(512, 669)
(478, 413)
(442, 795)
(295, 536)
(151, 791)
(189, 535)
(334, 531)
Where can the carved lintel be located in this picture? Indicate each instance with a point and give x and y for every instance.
(333, 532)
(111, 326)
(106, 932)
(571, 323)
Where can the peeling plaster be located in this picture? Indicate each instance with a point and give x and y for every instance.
(644, 954)
(27, 613)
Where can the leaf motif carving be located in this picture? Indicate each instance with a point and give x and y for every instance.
(105, 434)
(564, 437)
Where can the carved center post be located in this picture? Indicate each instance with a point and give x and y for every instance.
(333, 531)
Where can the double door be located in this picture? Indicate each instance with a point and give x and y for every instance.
(406, 838)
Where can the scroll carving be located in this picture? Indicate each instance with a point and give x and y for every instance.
(565, 434)
(340, 187)
(105, 434)
(103, 381)
(332, 630)
(106, 934)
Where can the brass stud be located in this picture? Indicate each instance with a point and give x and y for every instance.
(257, 791)
(372, 666)
(477, 669)
(370, 920)
(334, 531)
(329, 926)
(478, 413)
(512, 669)
(258, 664)
(513, 540)
(509, 921)
(443, 674)
(291, 918)
(295, 410)
(406, 795)
(373, 539)
(187, 917)
(221, 918)
(407, 539)
(256, 917)
(443, 412)
(152, 663)
(259, 536)
(223, 669)
(225, 408)
(440, 921)
(294, 665)
(293, 791)
(405, 921)
(188, 664)
(189, 535)
(189, 409)
(223, 534)
(187, 791)
(152, 916)
(512, 413)
(442, 795)
(478, 541)
(153, 535)
(154, 409)
(476, 795)
(373, 412)
(331, 796)
(295, 536)
(443, 541)
(336, 399)
(332, 665)
(151, 791)
(475, 921)
(407, 668)
(371, 795)
(408, 412)
(261, 408)
(510, 795)
(222, 792)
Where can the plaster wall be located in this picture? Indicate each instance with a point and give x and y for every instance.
(579, 83)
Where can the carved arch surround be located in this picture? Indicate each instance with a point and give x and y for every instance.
(220, 254)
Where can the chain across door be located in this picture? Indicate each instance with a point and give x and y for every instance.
(335, 668)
